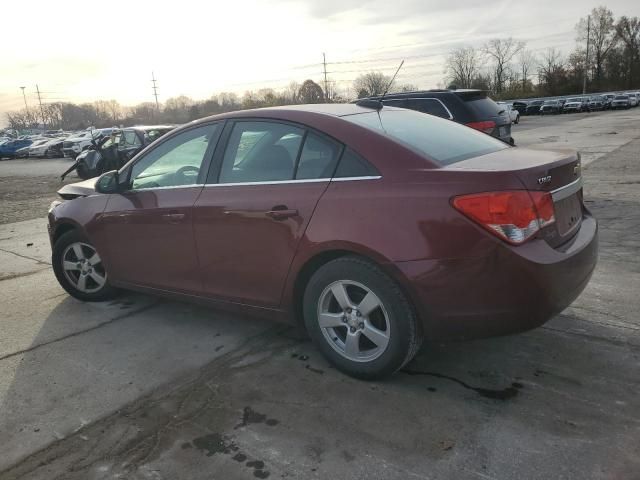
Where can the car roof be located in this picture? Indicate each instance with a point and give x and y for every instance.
(320, 109)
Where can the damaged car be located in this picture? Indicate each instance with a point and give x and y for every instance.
(113, 151)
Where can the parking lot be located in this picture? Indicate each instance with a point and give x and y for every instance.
(144, 388)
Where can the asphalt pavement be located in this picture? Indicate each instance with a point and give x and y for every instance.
(144, 388)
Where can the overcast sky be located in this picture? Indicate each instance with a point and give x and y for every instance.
(85, 50)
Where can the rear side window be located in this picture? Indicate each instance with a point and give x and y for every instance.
(318, 158)
(428, 105)
(353, 165)
(443, 141)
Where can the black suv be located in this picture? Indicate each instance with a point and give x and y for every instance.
(472, 108)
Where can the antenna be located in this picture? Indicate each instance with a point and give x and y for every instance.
(391, 82)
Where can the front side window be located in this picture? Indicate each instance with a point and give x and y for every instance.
(261, 152)
(175, 162)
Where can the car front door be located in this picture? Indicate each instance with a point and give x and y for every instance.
(262, 190)
(149, 226)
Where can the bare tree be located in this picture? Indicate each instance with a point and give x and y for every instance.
(551, 70)
(371, 84)
(628, 31)
(311, 92)
(526, 63)
(501, 51)
(462, 66)
(602, 37)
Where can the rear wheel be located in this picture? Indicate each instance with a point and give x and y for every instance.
(360, 319)
(79, 269)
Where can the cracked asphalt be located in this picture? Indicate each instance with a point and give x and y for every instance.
(143, 388)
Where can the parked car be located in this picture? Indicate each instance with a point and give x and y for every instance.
(9, 149)
(472, 108)
(596, 102)
(113, 151)
(514, 114)
(620, 101)
(575, 104)
(73, 145)
(608, 98)
(550, 106)
(520, 107)
(533, 107)
(633, 99)
(51, 148)
(365, 224)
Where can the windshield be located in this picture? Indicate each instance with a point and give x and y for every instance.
(444, 141)
(550, 102)
(621, 97)
(574, 100)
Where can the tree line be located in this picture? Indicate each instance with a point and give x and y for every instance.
(508, 69)
(503, 66)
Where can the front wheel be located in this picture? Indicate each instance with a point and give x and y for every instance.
(79, 268)
(360, 319)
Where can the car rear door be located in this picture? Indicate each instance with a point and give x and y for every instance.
(148, 227)
(250, 217)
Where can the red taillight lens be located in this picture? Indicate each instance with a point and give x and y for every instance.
(513, 216)
(486, 127)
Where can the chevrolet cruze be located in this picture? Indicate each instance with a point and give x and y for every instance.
(375, 227)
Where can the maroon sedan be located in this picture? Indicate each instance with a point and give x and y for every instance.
(375, 227)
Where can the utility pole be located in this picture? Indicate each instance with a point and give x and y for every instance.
(25, 101)
(326, 90)
(586, 60)
(155, 90)
(41, 109)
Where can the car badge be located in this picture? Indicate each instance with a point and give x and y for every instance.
(543, 180)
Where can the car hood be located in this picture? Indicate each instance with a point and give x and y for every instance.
(79, 189)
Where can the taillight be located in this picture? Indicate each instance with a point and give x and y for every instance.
(486, 127)
(513, 216)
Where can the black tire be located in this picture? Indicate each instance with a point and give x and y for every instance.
(106, 292)
(82, 172)
(404, 330)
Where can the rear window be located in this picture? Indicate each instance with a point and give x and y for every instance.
(444, 141)
(480, 105)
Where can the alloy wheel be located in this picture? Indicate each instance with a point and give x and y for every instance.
(354, 321)
(83, 267)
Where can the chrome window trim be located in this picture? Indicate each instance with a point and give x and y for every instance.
(271, 182)
(287, 182)
(350, 179)
(426, 98)
(134, 190)
(567, 190)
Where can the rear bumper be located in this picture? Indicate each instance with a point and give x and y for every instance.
(512, 290)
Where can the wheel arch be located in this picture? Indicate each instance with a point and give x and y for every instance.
(302, 273)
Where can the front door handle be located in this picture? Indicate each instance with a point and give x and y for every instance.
(173, 217)
(281, 212)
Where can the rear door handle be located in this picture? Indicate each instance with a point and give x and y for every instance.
(173, 217)
(282, 213)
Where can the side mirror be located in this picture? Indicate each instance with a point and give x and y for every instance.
(108, 182)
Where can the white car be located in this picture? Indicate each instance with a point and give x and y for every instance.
(513, 113)
(73, 145)
(633, 99)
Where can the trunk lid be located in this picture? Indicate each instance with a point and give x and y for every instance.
(557, 172)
